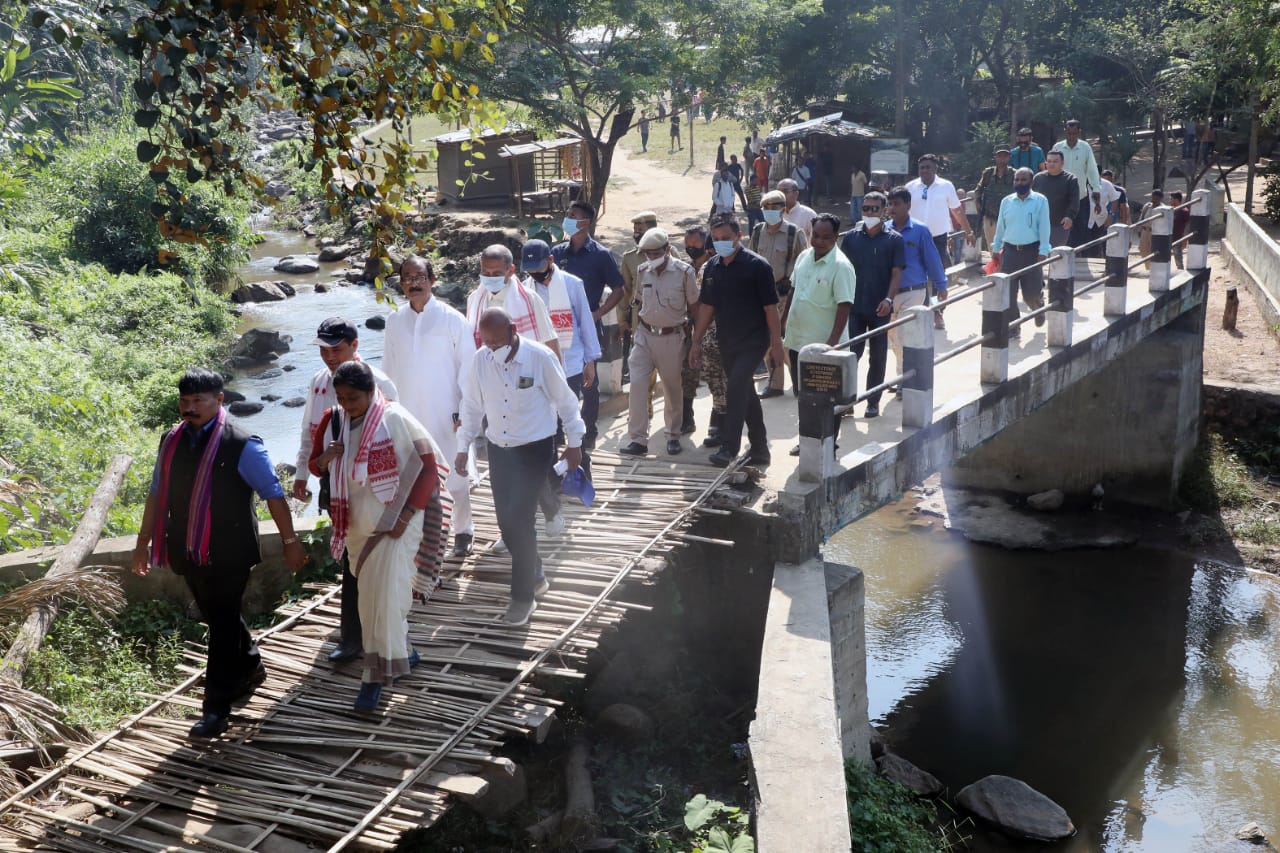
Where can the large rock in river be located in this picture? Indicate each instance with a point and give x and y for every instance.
(1016, 809)
(329, 254)
(895, 768)
(298, 264)
(242, 408)
(260, 344)
(259, 291)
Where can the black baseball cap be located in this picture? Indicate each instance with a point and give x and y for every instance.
(534, 255)
(334, 331)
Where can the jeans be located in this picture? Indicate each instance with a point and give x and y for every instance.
(855, 210)
(591, 409)
(233, 656)
(742, 406)
(859, 323)
(518, 475)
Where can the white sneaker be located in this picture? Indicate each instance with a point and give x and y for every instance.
(518, 612)
(542, 587)
(499, 547)
(555, 526)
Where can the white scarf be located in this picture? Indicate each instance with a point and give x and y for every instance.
(517, 302)
(559, 306)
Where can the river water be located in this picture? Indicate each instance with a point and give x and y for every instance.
(299, 316)
(1137, 688)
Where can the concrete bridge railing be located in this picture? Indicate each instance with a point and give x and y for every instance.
(1255, 259)
(828, 375)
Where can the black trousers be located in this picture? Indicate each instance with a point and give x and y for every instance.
(518, 475)
(233, 656)
(943, 245)
(859, 323)
(742, 406)
(549, 497)
(590, 406)
(352, 633)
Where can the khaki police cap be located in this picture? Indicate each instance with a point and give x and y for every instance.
(645, 216)
(774, 197)
(654, 238)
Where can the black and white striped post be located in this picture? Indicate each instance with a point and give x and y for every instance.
(1062, 290)
(1118, 245)
(917, 359)
(1161, 250)
(995, 323)
(1198, 244)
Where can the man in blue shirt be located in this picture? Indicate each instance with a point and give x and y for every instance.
(922, 264)
(582, 256)
(878, 257)
(1022, 238)
(199, 521)
(1027, 154)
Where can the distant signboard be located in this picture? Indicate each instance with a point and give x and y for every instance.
(890, 155)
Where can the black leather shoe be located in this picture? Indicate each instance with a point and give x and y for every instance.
(589, 441)
(713, 437)
(872, 412)
(211, 724)
(688, 426)
(462, 544)
(251, 683)
(770, 393)
(635, 448)
(758, 457)
(721, 458)
(673, 447)
(344, 654)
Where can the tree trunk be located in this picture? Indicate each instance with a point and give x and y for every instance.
(578, 826)
(31, 634)
(1230, 309)
(600, 162)
(1253, 155)
(1158, 149)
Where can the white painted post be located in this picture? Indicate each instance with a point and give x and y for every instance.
(1198, 245)
(995, 322)
(827, 377)
(1117, 286)
(917, 355)
(1062, 288)
(1161, 250)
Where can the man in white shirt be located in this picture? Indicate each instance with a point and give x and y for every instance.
(799, 215)
(935, 203)
(519, 386)
(338, 342)
(1078, 159)
(428, 345)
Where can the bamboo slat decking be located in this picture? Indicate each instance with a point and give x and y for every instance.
(300, 770)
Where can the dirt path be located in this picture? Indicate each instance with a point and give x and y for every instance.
(1251, 353)
(636, 185)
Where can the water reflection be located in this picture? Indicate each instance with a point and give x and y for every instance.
(1136, 688)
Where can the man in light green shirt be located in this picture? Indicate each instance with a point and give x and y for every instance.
(1078, 159)
(823, 284)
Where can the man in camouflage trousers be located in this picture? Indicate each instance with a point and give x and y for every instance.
(696, 245)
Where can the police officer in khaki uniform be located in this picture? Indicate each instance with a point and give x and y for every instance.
(628, 307)
(668, 292)
(780, 243)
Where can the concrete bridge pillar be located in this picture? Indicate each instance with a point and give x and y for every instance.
(1132, 426)
(1062, 289)
(1113, 303)
(1161, 250)
(995, 326)
(1198, 245)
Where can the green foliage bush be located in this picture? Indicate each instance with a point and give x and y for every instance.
(885, 817)
(97, 197)
(967, 166)
(99, 673)
(1271, 192)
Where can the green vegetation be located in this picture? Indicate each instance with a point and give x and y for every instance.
(94, 336)
(1227, 482)
(885, 817)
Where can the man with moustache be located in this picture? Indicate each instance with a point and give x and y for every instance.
(200, 521)
(428, 345)
(338, 342)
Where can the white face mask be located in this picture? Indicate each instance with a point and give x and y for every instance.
(870, 222)
(493, 283)
(570, 226)
(772, 217)
(501, 354)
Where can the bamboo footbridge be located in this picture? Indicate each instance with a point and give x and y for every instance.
(299, 769)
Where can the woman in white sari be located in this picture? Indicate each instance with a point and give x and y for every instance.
(385, 506)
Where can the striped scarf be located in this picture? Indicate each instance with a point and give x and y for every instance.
(200, 512)
(518, 304)
(383, 474)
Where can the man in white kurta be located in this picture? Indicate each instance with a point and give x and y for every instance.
(338, 341)
(427, 347)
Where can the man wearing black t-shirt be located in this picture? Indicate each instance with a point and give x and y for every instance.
(738, 293)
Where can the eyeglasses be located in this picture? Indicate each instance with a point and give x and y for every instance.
(869, 209)
(411, 278)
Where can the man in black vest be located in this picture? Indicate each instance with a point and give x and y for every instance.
(199, 521)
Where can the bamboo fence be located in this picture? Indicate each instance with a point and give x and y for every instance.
(299, 769)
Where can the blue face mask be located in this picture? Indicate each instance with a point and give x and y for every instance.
(772, 217)
(725, 248)
(570, 226)
(1023, 190)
